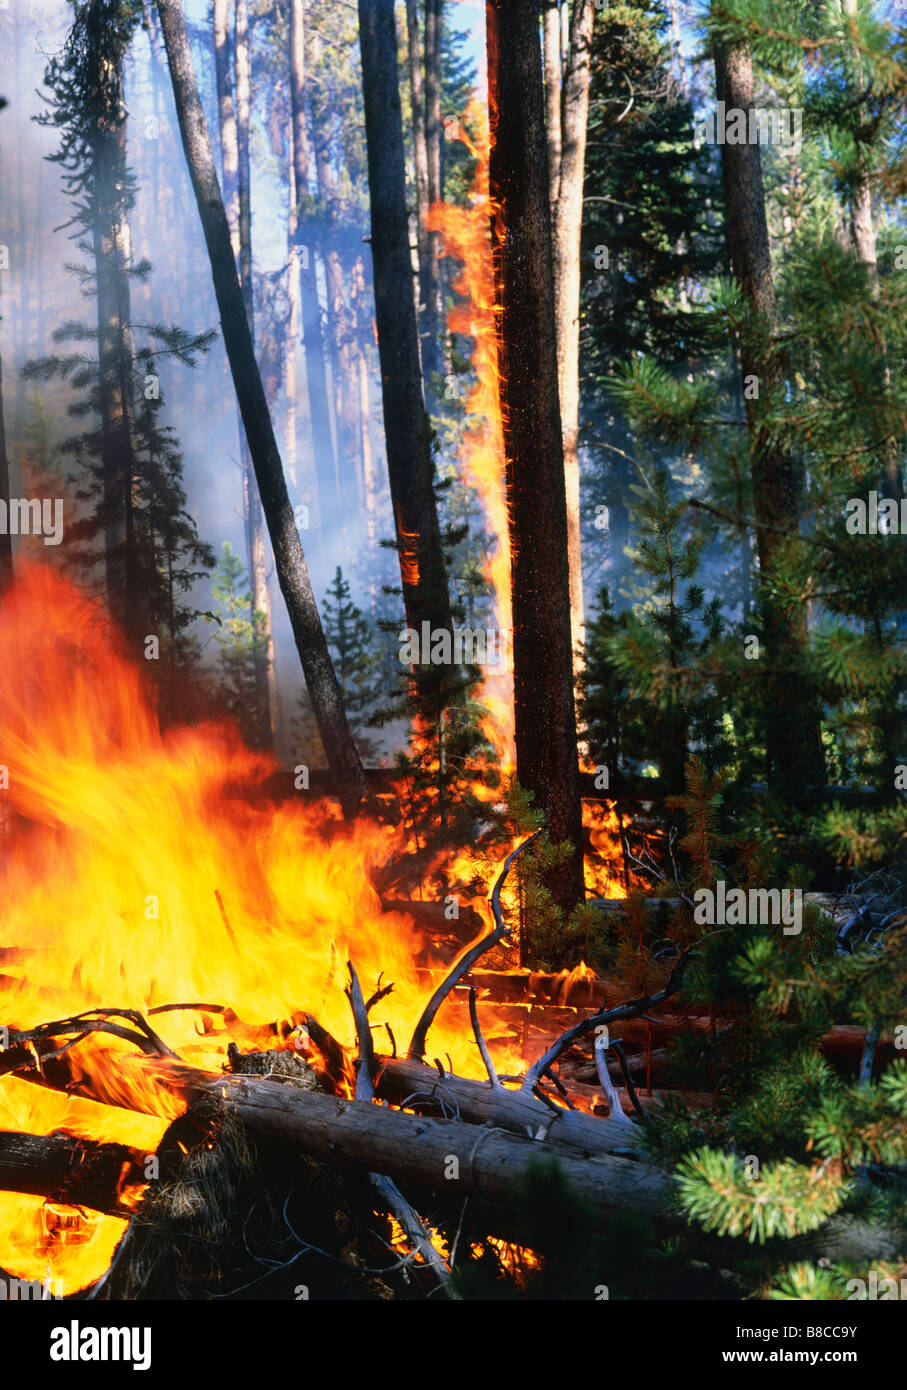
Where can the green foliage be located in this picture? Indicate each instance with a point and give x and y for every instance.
(236, 638)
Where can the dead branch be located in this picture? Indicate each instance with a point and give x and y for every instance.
(383, 1186)
(480, 1041)
(467, 958)
(631, 1009)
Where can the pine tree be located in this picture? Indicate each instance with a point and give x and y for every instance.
(235, 636)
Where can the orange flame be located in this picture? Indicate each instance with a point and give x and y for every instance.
(465, 236)
(119, 840)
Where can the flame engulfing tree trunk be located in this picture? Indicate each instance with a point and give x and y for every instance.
(567, 100)
(292, 571)
(521, 238)
(793, 743)
(406, 426)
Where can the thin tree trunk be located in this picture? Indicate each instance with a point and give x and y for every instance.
(521, 238)
(434, 144)
(568, 222)
(863, 236)
(111, 246)
(263, 644)
(229, 141)
(428, 263)
(345, 377)
(313, 338)
(406, 427)
(292, 571)
(792, 727)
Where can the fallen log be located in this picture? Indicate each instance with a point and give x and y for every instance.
(485, 1162)
(403, 1079)
(71, 1171)
(455, 1156)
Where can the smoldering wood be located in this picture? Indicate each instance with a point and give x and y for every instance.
(385, 1189)
(71, 1171)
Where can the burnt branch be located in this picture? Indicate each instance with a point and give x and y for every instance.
(480, 1041)
(631, 1009)
(467, 959)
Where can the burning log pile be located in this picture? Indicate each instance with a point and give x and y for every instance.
(455, 1141)
(355, 1138)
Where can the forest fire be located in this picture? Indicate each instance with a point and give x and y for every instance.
(143, 870)
(452, 963)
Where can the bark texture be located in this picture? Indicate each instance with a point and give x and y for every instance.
(521, 239)
(292, 571)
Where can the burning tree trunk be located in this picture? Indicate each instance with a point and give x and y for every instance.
(406, 426)
(521, 233)
(71, 1171)
(792, 727)
(343, 757)
(571, 94)
(313, 338)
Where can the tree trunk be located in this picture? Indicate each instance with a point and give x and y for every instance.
(263, 641)
(312, 336)
(551, 52)
(115, 359)
(345, 378)
(521, 238)
(429, 293)
(434, 145)
(229, 146)
(793, 743)
(406, 426)
(863, 235)
(568, 222)
(292, 571)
